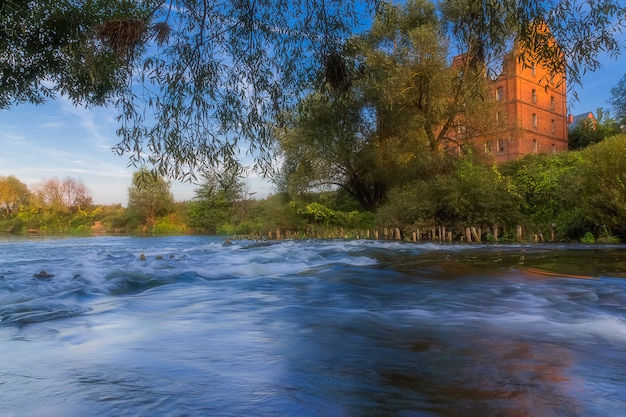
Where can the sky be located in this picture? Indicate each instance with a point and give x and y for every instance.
(59, 140)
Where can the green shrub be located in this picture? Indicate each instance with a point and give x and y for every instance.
(588, 238)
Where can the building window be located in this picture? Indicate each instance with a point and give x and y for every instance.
(500, 145)
(534, 145)
(553, 126)
(499, 93)
(533, 70)
(498, 118)
(534, 119)
(552, 103)
(534, 96)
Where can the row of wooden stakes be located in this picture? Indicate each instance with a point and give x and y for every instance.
(435, 234)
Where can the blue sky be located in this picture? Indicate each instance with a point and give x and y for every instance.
(59, 140)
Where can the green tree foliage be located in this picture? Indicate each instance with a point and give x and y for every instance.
(13, 194)
(195, 79)
(579, 192)
(588, 132)
(149, 197)
(597, 188)
(331, 145)
(51, 47)
(540, 180)
(318, 214)
(468, 194)
(215, 199)
(408, 52)
(618, 102)
(190, 78)
(403, 100)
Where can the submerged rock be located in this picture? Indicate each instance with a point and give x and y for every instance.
(43, 275)
(142, 257)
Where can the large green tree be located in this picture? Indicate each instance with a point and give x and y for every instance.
(400, 100)
(196, 80)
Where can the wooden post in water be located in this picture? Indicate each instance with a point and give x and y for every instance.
(519, 233)
(476, 234)
(468, 234)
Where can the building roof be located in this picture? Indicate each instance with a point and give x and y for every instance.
(573, 121)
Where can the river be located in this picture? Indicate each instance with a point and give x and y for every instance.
(309, 328)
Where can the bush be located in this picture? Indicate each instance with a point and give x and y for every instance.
(588, 238)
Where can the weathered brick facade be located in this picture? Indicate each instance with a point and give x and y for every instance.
(533, 111)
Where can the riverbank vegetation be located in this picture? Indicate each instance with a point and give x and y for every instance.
(570, 196)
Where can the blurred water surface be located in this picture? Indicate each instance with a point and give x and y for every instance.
(310, 328)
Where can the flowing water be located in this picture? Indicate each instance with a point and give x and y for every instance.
(310, 328)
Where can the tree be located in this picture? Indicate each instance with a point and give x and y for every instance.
(597, 187)
(539, 182)
(190, 78)
(52, 47)
(402, 100)
(618, 102)
(13, 194)
(149, 196)
(193, 80)
(215, 198)
(68, 195)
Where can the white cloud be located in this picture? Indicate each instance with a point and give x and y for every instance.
(53, 125)
(87, 117)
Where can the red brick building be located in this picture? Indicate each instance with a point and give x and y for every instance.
(532, 111)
